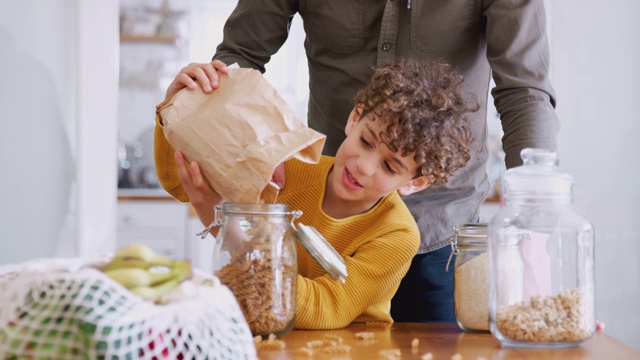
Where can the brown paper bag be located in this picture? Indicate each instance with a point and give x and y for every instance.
(238, 134)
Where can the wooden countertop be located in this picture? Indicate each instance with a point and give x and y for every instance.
(442, 340)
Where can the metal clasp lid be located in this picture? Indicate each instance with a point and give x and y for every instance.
(453, 241)
(473, 234)
(217, 218)
(217, 221)
(320, 249)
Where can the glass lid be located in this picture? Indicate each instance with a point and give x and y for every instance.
(539, 174)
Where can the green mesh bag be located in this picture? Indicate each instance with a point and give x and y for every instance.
(67, 309)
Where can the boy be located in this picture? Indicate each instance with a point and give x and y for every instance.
(407, 131)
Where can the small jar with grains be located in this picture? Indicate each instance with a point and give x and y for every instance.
(541, 259)
(255, 257)
(471, 290)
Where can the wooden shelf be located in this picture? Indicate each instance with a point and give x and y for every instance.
(149, 38)
(492, 199)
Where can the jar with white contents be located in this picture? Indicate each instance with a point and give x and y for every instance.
(471, 289)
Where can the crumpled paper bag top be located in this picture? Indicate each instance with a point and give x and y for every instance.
(238, 134)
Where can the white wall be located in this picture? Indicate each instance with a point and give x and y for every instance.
(37, 142)
(97, 109)
(58, 100)
(595, 48)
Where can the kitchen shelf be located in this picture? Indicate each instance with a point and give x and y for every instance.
(143, 194)
(493, 199)
(149, 38)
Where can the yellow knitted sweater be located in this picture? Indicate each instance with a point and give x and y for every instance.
(377, 245)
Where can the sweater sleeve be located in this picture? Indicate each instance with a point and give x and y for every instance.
(518, 52)
(375, 269)
(252, 46)
(165, 163)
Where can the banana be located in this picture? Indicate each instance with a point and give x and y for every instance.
(143, 253)
(157, 294)
(131, 266)
(145, 292)
(183, 269)
(119, 263)
(134, 277)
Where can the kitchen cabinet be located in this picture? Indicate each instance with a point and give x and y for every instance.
(200, 250)
(159, 222)
(152, 217)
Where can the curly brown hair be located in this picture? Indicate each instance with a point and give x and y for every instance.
(425, 114)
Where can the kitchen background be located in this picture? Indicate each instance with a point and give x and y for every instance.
(79, 81)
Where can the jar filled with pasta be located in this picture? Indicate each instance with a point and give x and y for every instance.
(255, 257)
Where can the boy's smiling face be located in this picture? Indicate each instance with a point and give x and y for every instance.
(365, 169)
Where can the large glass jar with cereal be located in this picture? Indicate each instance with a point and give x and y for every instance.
(541, 259)
(255, 257)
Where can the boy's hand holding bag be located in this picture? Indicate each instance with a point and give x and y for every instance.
(238, 133)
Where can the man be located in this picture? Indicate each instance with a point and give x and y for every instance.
(346, 39)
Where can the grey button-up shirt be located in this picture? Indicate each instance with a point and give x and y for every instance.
(345, 39)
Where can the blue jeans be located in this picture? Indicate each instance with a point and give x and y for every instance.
(426, 292)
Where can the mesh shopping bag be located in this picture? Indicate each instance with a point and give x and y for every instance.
(68, 309)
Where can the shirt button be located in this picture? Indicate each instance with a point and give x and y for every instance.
(386, 47)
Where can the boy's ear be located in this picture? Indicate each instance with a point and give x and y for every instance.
(415, 185)
(354, 117)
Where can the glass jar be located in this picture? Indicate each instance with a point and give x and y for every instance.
(255, 257)
(471, 289)
(541, 251)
